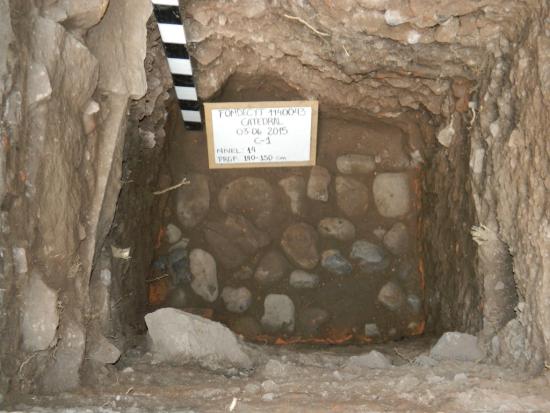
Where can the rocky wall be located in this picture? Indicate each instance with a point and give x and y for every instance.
(510, 164)
(68, 71)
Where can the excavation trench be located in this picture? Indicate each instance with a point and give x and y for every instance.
(344, 264)
(426, 211)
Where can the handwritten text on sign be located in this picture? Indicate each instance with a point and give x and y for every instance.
(261, 134)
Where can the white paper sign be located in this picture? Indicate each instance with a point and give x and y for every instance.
(261, 134)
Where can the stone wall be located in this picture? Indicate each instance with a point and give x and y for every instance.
(68, 71)
(298, 254)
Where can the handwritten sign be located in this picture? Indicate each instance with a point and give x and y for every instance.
(261, 134)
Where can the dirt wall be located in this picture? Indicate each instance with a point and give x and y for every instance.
(67, 77)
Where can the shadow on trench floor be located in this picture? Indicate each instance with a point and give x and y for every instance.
(294, 379)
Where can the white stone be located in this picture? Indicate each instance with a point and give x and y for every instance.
(392, 194)
(303, 279)
(40, 316)
(413, 37)
(180, 337)
(205, 280)
(278, 313)
(394, 17)
(371, 330)
(20, 260)
(173, 233)
(391, 295)
(237, 300)
(446, 135)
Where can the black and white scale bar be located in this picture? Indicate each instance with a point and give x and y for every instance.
(172, 33)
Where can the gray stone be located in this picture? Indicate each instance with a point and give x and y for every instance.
(299, 243)
(317, 184)
(39, 87)
(228, 254)
(243, 273)
(303, 279)
(334, 262)
(391, 296)
(268, 397)
(20, 260)
(310, 320)
(179, 266)
(379, 233)
(79, 15)
(278, 313)
(253, 197)
(103, 351)
(372, 360)
(180, 337)
(392, 194)
(372, 258)
(338, 228)
(352, 196)
(177, 298)
(274, 369)
(205, 280)
(237, 300)
(193, 200)
(424, 360)
(233, 240)
(397, 239)
(40, 317)
(355, 164)
(173, 233)
(273, 266)
(182, 243)
(367, 251)
(251, 388)
(414, 303)
(295, 189)
(269, 385)
(371, 330)
(457, 346)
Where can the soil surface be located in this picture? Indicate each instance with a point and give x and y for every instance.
(306, 380)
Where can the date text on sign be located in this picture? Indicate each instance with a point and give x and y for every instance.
(261, 134)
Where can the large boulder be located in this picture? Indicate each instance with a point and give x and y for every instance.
(252, 197)
(180, 337)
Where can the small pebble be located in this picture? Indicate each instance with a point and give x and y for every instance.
(270, 386)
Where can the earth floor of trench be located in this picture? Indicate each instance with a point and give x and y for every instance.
(306, 380)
